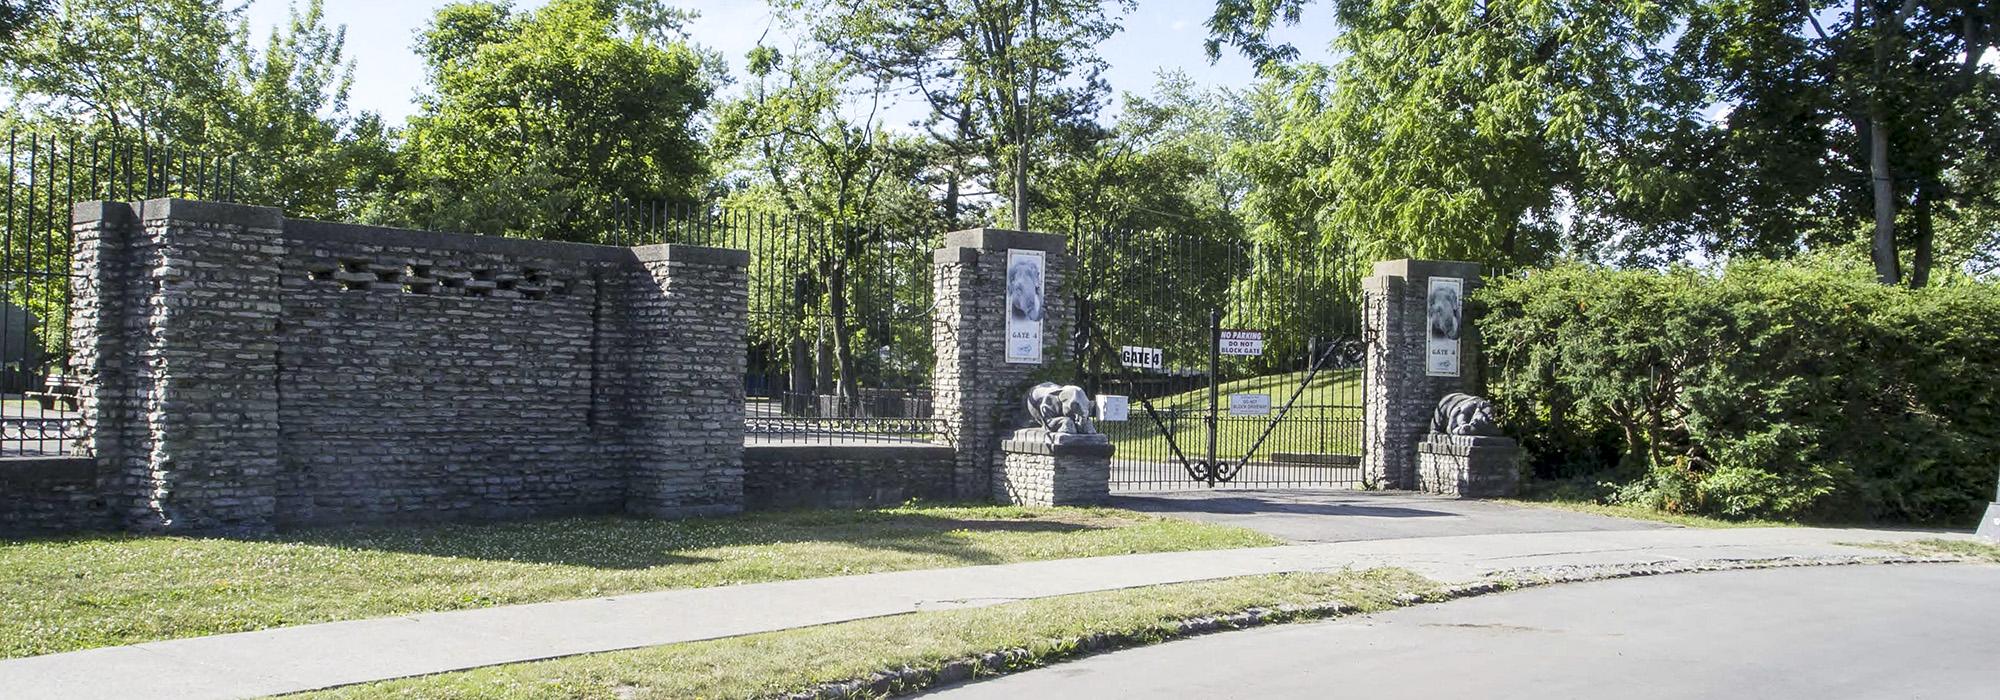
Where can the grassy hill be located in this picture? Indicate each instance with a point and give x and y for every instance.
(1326, 419)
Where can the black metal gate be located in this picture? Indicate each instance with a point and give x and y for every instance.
(1239, 364)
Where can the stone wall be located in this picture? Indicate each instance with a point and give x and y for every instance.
(51, 495)
(246, 371)
(1401, 397)
(977, 394)
(845, 476)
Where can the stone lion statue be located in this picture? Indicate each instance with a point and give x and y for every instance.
(1064, 410)
(1465, 414)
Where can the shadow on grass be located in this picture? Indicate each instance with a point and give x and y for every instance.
(627, 543)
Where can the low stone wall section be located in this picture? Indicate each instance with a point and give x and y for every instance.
(778, 477)
(246, 371)
(46, 495)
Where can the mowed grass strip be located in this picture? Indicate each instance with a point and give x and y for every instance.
(778, 663)
(79, 593)
(1968, 550)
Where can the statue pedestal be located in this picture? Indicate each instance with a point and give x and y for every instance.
(1468, 466)
(1070, 470)
(1989, 526)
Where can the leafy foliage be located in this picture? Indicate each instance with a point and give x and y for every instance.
(538, 123)
(1768, 389)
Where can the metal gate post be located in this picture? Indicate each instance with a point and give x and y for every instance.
(1214, 390)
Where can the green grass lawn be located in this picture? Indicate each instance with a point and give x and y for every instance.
(777, 663)
(1326, 419)
(78, 593)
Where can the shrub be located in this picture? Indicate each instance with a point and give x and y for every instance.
(1769, 389)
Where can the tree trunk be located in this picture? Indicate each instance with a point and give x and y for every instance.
(1887, 268)
(1874, 132)
(1026, 119)
(823, 356)
(799, 393)
(843, 340)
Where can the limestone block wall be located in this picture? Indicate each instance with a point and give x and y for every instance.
(682, 360)
(977, 394)
(845, 476)
(442, 376)
(1401, 397)
(243, 370)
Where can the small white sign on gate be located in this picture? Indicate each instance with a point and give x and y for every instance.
(1112, 408)
(1249, 404)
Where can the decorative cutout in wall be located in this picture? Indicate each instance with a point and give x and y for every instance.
(424, 277)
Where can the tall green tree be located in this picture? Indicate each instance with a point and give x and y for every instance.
(15, 15)
(541, 123)
(188, 76)
(1449, 129)
(817, 154)
(998, 75)
(1638, 131)
(146, 70)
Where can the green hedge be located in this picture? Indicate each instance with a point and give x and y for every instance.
(1770, 389)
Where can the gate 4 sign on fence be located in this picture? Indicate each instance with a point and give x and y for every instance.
(1242, 343)
(1142, 358)
(1024, 305)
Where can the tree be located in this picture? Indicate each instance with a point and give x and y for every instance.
(1448, 129)
(183, 76)
(140, 70)
(1730, 127)
(846, 178)
(996, 73)
(540, 123)
(16, 15)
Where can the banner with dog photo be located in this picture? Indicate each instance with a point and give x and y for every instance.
(1447, 317)
(1024, 306)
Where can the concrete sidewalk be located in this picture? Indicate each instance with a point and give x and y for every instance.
(317, 656)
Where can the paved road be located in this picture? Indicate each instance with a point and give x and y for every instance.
(1924, 631)
(291, 659)
(1347, 516)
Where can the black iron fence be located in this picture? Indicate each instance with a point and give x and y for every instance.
(47, 172)
(840, 320)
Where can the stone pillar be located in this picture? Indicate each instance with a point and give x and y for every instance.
(1469, 466)
(686, 314)
(1401, 395)
(977, 394)
(177, 342)
(1034, 472)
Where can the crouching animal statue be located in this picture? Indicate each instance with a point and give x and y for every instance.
(1064, 410)
(1464, 414)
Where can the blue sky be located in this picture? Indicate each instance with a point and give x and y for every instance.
(1160, 34)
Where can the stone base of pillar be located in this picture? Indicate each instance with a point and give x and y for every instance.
(1989, 526)
(1468, 466)
(1033, 472)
